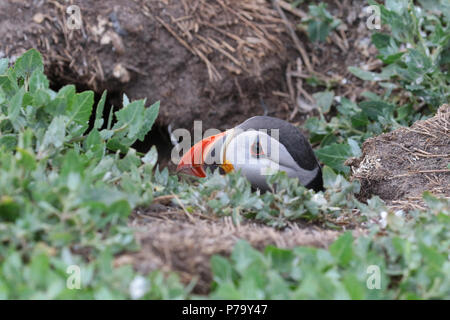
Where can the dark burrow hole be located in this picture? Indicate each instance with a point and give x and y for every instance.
(158, 135)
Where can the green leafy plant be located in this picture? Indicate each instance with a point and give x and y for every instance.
(410, 250)
(320, 22)
(69, 179)
(288, 201)
(415, 50)
(410, 255)
(67, 188)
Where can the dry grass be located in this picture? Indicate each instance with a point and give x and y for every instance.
(242, 32)
(399, 166)
(171, 241)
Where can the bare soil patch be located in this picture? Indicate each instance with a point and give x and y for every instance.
(219, 61)
(171, 241)
(213, 61)
(400, 165)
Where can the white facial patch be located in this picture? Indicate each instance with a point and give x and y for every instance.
(258, 154)
(252, 148)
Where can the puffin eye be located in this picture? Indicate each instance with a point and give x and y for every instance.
(256, 149)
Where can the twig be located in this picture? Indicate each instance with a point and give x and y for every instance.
(294, 37)
(163, 198)
(295, 11)
(212, 71)
(422, 171)
(184, 208)
(289, 83)
(173, 33)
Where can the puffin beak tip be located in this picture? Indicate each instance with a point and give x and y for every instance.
(192, 162)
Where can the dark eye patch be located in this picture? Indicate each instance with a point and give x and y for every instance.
(256, 149)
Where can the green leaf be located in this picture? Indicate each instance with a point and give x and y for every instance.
(41, 98)
(324, 100)
(15, 105)
(55, 133)
(151, 157)
(125, 100)
(227, 291)
(9, 209)
(99, 112)
(334, 155)
(328, 139)
(382, 40)
(435, 203)
(329, 176)
(81, 108)
(8, 86)
(432, 256)
(221, 269)
(4, 62)
(130, 118)
(150, 115)
(26, 159)
(120, 208)
(370, 76)
(38, 81)
(28, 63)
(375, 109)
(342, 248)
(417, 64)
(354, 286)
(110, 118)
(281, 258)
(114, 145)
(318, 30)
(398, 6)
(244, 255)
(62, 102)
(388, 48)
(94, 145)
(71, 164)
(9, 141)
(355, 149)
(321, 22)
(360, 120)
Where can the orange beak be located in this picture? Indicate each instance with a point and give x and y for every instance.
(192, 162)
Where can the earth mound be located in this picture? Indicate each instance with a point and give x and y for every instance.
(218, 61)
(400, 165)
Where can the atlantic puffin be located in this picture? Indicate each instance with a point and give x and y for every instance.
(257, 147)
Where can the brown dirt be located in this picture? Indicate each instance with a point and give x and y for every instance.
(218, 61)
(399, 166)
(213, 61)
(349, 45)
(171, 241)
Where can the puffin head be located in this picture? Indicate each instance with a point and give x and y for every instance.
(258, 147)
